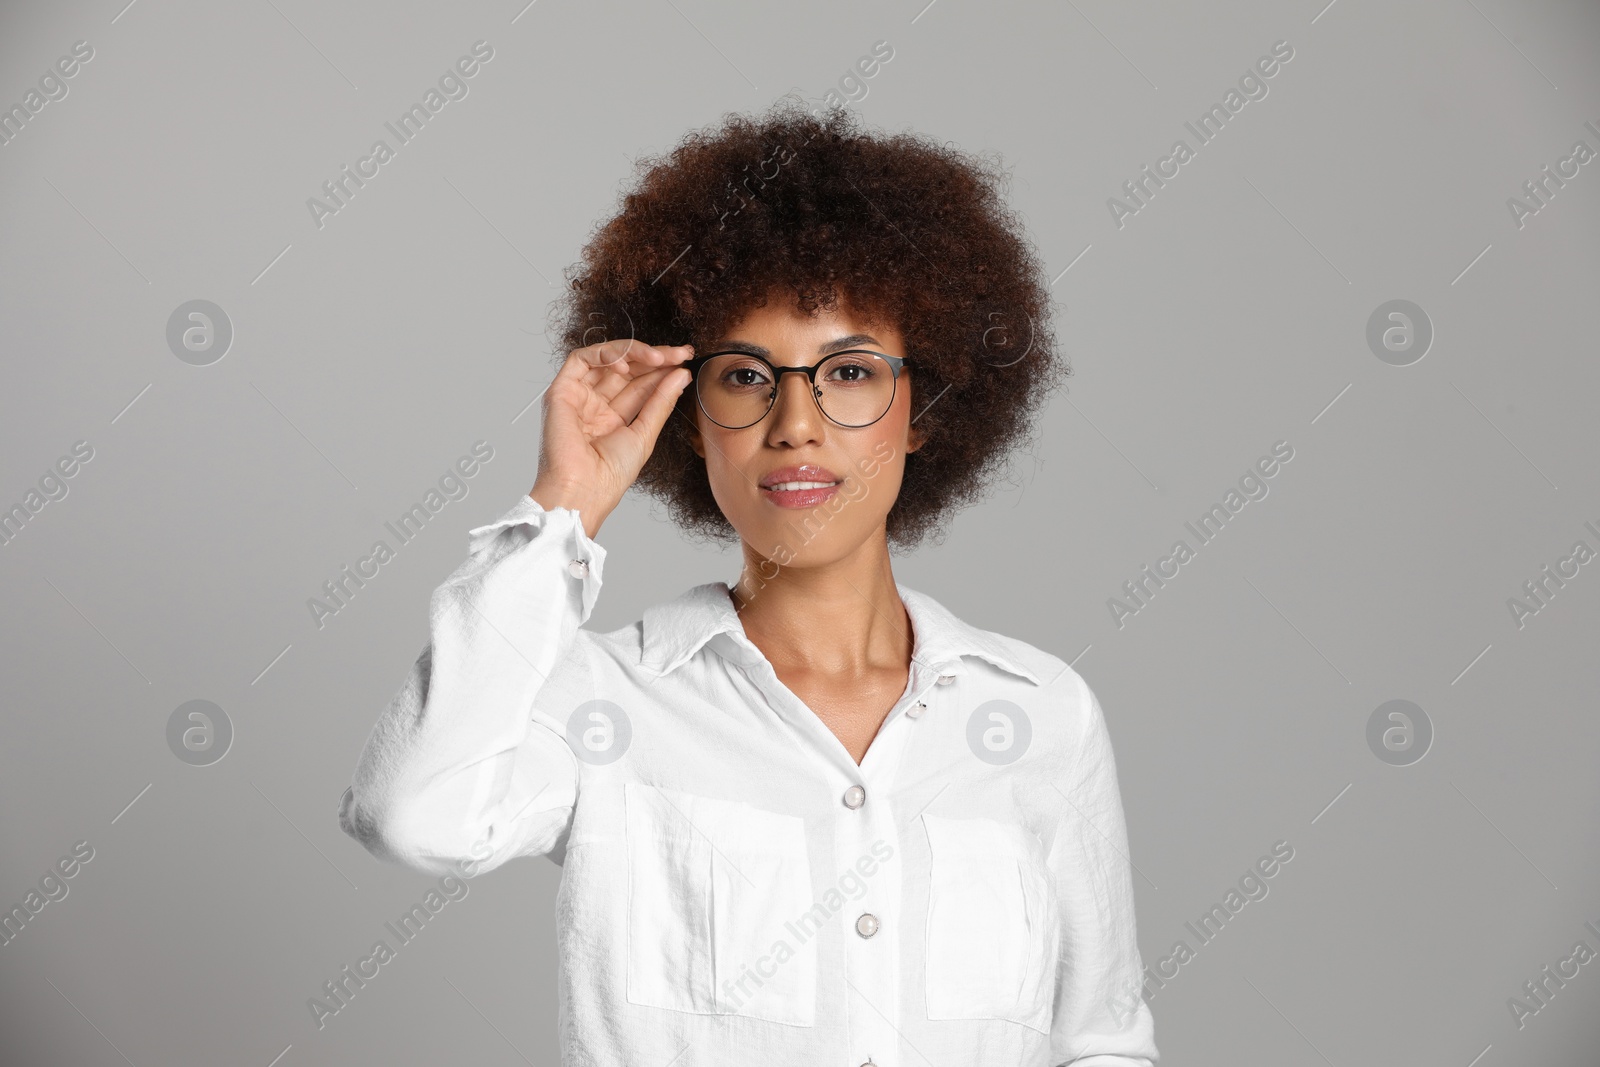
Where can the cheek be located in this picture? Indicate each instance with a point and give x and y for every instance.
(726, 465)
(879, 469)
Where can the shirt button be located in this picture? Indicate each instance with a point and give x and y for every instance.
(946, 679)
(916, 709)
(854, 797)
(578, 568)
(867, 925)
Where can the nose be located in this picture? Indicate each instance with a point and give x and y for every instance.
(796, 417)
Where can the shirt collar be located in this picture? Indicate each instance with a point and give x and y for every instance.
(675, 630)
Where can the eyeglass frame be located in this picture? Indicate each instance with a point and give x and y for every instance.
(896, 365)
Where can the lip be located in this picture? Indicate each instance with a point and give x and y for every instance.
(799, 498)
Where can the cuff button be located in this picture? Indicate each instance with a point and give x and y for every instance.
(578, 568)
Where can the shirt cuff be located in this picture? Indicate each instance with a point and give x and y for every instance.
(584, 557)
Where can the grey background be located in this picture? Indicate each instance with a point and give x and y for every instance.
(1229, 314)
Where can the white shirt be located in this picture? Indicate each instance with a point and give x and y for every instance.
(735, 888)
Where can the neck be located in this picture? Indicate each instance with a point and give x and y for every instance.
(840, 617)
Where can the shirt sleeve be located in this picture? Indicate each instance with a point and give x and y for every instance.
(1101, 1019)
(460, 774)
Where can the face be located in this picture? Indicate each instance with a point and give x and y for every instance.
(796, 442)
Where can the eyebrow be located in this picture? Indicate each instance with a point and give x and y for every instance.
(827, 348)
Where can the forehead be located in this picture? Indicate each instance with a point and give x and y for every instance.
(781, 320)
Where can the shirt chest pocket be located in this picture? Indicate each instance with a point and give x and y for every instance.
(713, 888)
(993, 928)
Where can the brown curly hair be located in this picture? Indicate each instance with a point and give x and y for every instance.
(900, 229)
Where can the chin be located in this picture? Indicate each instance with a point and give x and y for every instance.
(809, 539)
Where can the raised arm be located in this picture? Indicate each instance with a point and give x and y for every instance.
(457, 768)
(460, 774)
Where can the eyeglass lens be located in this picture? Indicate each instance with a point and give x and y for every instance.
(855, 388)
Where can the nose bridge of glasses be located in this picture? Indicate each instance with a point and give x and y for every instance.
(805, 374)
(807, 386)
(825, 393)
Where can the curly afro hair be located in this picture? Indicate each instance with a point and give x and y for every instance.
(899, 229)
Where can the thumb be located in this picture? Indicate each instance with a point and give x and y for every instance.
(655, 411)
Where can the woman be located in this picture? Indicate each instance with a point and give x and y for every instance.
(814, 817)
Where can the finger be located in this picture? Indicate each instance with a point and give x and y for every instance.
(577, 366)
(627, 355)
(658, 406)
(586, 367)
(598, 370)
(628, 402)
(610, 381)
(616, 355)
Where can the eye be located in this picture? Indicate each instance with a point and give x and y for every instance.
(852, 369)
(743, 374)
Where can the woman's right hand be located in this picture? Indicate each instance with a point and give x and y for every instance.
(602, 415)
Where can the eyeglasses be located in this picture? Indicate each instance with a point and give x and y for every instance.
(853, 388)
